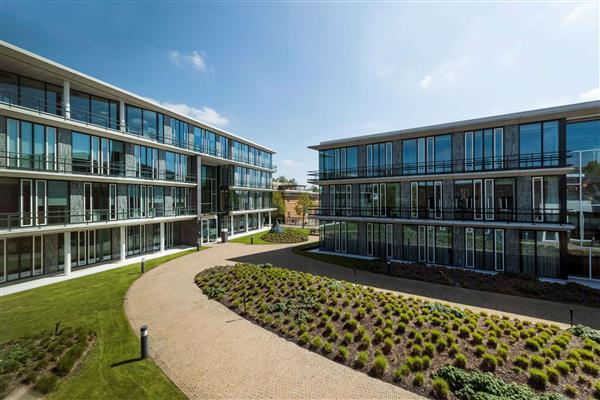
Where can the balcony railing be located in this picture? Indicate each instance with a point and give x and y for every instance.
(464, 165)
(48, 163)
(18, 100)
(21, 220)
(528, 215)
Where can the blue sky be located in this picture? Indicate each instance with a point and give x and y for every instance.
(288, 75)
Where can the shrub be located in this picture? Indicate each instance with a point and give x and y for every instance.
(388, 344)
(327, 347)
(537, 361)
(590, 368)
(365, 340)
(343, 353)
(429, 349)
(441, 389)
(570, 390)
(562, 367)
(597, 389)
(400, 328)
(418, 379)
(414, 363)
(521, 362)
(553, 374)
(586, 332)
(380, 364)
(304, 338)
(317, 343)
(502, 353)
(532, 344)
(361, 359)
(348, 337)
(401, 373)
(460, 360)
(477, 338)
(287, 236)
(46, 383)
(479, 351)
(537, 379)
(489, 363)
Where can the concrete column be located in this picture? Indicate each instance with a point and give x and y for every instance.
(270, 219)
(67, 256)
(246, 222)
(231, 226)
(198, 186)
(201, 230)
(123, 244)
(122, 115)
(66, 99)
(162, 237)
(260, 223)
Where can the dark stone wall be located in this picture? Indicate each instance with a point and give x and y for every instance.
(523, 195)
(76, 202)
(458, 150)
(448, 198)
(190, 232)
(65, 155)
(3, 140)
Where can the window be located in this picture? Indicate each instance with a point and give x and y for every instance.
(499, 248)
(443, 245)
(431, 244)
(26, 202)
(32, 94)
(80, 106)
(369, 239)
(88, 205)
(81, 152)
(422, 242)
(58, 201)
(409, 156)
(463, 198)
(379, 159)
(41, 205)
(410, 242)
(30, 146)
(443, 153)
(489, 199)
(484, 149)
(538, 144)
(414, 199)
(112, 201)
(540, 253)
(504, 199)
(389, 241)
(478, 199)
(133, 119)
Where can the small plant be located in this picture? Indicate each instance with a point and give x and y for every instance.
(380, 364)
(553, 374)
(343, 353)
(388, 344)
(327, 347)
(521, 362)
(479, 351)
(440, 389)
(317, 343)
(537, 379)
(460, 360)
(597, 389)
(361, 359)
(532, 344)
(304, 338)
(401, 373)
(590, 368)
(348, 337)
(489, 363)
(419, 379)
(536, 361)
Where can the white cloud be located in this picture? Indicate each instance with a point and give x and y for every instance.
(204, 114)
(579, 13)
(195, 59)
(425, 82)
(291, 163)
(590, 95)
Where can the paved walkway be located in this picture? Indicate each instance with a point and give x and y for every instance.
(210, 352)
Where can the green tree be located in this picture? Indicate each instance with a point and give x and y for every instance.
(279, 204)
(304, 204)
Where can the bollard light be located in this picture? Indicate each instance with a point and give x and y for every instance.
(251, 239)
(144, 341)
(142, 266)
(198, 245)
(389, 267)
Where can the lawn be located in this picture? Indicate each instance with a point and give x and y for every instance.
(429, 348)
(506, 283)
(257, 238)
(95, 302)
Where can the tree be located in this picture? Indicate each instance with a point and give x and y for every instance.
(304, 204)
(279, 204)
(283, 179)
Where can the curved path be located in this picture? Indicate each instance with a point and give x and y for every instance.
(211, 352)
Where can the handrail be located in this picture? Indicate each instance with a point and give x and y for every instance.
(534, 215)
(46, 163)
(463, 165)
(17, 220)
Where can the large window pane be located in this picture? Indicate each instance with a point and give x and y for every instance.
(33, 94)
(443, 153)
(134, 119)
(80, 106)
(100, 112)
(81, 152)
(550, 143)
(409, 156)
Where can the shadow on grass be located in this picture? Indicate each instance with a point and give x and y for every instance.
(125, 362)
(353, 271)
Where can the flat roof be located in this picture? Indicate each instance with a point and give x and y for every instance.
(33, 60)
(580, 110)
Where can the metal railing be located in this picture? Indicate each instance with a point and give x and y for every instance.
(47, 163)
(21, 220)
(463, 165)
(529, 215)
(18, 100)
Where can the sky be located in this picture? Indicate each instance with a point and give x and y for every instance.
(292, 74)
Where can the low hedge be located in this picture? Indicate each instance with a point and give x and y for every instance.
(287, 236)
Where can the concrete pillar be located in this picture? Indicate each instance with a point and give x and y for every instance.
(123, 242)
(122, 115)
(201, 230)
(270, 219)
(198, 186)
(246, 222)
(66, 99)
(67, 256)
(162, 237)
(260, 222)
(231, 226)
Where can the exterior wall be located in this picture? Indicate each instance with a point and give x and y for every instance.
(511, 145)
(362, 238)
(65, 155)
(362, 156)
(76, 202)
(458, 245)
(129, 159)
(325, 196)
(190, 232)
(405, 199)
(121, 200)
(355, 198)
(458, 149)
(397, 241)
(524, 197)
(3, 160)
(448, 199)
(51, 252)
(397, 153)
(291, 217)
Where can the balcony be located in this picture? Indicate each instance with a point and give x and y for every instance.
(22, 220)
(51, 164)
(13, 99)
(416, 216)
(462, 166)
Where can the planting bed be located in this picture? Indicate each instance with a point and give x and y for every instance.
(287, 236)
(506, 283)
(41, 361)
(428, 348)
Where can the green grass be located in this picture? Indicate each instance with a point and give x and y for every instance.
(95, 302)
(257, 237)
(344, 261)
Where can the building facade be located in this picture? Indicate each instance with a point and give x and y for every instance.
(511, 193)
(290, 194)
(90, 173)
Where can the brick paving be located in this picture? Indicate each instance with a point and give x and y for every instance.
(210, 352)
